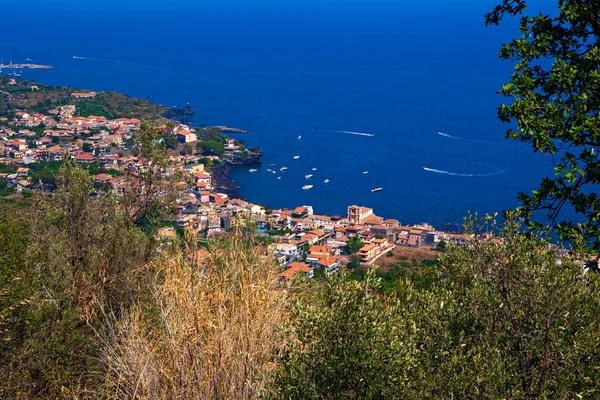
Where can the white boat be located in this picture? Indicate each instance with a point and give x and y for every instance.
(296, 157)
(306, 187)
(314, 169)
(283, 168)
(365, 172)
(268, 169)
(299, 137)
(326, 181)
(252, 170)
(273, 172)
(377, 190)
(278, 177)
(307, 176)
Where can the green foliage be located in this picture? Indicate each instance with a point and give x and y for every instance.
(346, 341)
(87, 255)
(514, 322)
(211, 133)
(5, 190)
(45, 172)
(187, 150)
(354, 244)
(87, 147)
(170, 141)
(211, 147)
(555, 106)
(7, 169)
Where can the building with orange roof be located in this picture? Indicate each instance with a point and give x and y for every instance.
(295, 269)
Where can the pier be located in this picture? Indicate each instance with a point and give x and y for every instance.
(25, 66)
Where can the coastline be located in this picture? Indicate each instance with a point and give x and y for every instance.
(224, 183)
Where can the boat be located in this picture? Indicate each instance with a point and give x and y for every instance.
(252, 170)
(268, 169)
(365, 172)
(272, 165)
(326, 181)
(296, 157)
(299, 137)
(307, 176)
(278, 177)
(273, 172)
(377, 190)
(283, 168)
(306, 187)
(314, 169)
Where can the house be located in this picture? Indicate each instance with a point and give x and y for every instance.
(317, 252)
(302, 212)
(186, 136)
(371, 251)
(102, 178)
(22, 171)
(368, 252)
(198, 257)
(256, 209)
(194, 168)
(287, 249)
(82, 157)
(415, 238)
(331, 264)
(295, 269)
(83, 95)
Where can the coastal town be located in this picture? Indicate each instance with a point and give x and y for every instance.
(299, 238)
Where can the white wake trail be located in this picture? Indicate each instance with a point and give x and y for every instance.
(354, 133)
(439, 171)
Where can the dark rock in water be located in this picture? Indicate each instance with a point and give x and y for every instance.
(175, 112)
(223, 182)
(252, 156)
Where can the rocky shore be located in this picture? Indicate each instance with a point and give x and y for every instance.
(223, 182)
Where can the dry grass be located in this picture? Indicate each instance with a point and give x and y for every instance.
(212, 335)
(406, 254)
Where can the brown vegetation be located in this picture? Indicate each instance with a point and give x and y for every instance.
(213, 332)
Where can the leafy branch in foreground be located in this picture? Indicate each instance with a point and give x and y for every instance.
(555, 92)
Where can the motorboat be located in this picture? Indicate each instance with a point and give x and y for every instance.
(326, 181)
(283, 168)
(252, 170)
(306, 187)
(314, 169)
(377, 190)
(296, 157)
(365, 172)
(308, 176)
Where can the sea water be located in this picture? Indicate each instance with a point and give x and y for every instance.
(403, 90)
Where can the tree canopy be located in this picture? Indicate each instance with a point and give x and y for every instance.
(555, 106)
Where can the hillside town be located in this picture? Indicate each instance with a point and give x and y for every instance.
(300, 239)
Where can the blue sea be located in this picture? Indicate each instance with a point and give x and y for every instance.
(405, 90)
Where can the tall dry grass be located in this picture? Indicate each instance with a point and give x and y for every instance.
(211, 334)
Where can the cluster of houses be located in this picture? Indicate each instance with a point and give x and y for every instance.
(303, 241)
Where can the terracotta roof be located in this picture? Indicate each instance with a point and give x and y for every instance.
(294, 268)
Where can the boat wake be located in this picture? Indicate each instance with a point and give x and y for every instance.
(439, 171)
(462, 138)
(94, 59)
(353, 133)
